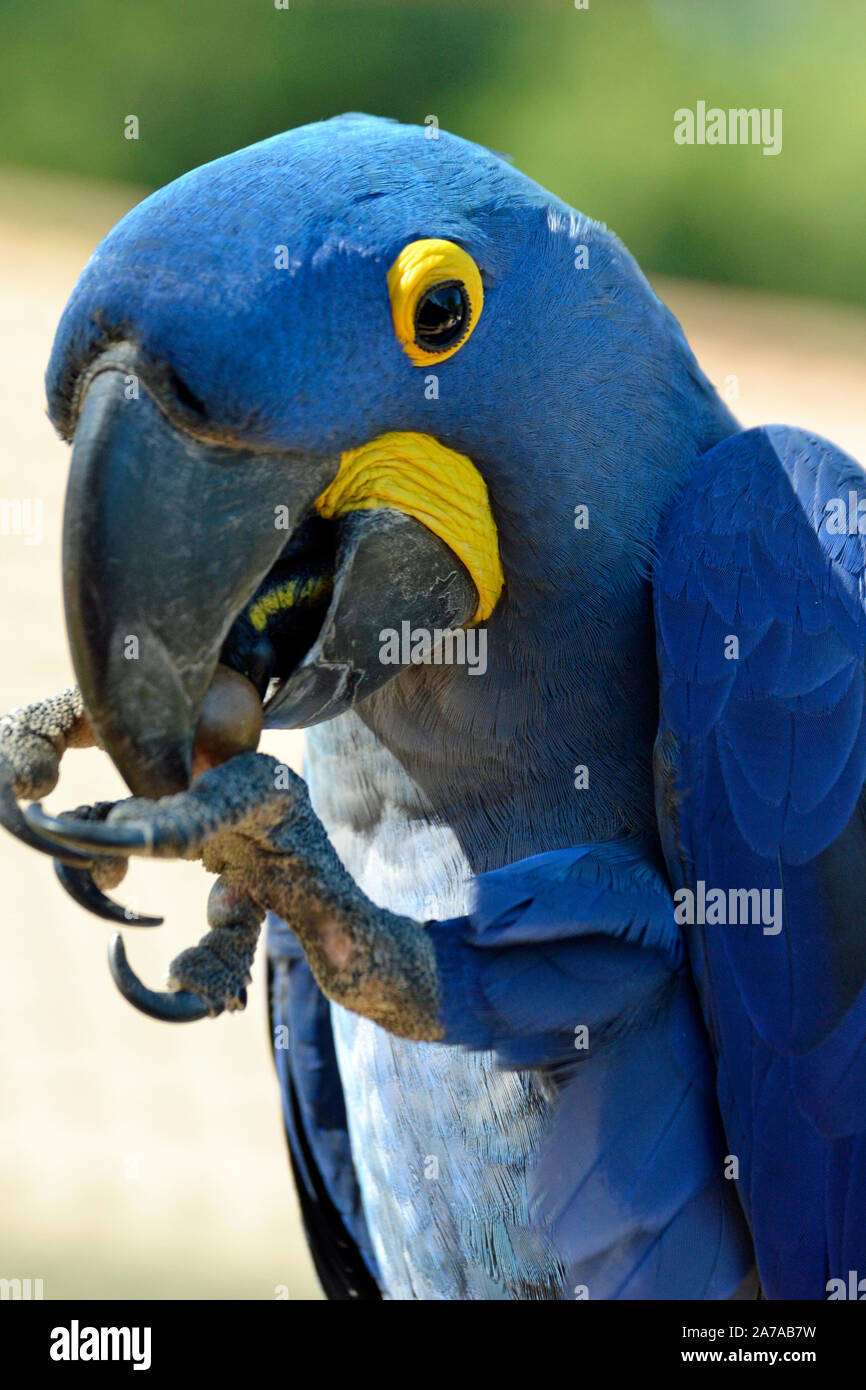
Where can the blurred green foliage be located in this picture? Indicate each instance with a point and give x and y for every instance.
(583, 100)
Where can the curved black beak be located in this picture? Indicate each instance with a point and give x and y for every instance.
(168, 539)
(178, 551)
(165, 538)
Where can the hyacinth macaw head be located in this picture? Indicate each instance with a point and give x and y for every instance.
(347, 377)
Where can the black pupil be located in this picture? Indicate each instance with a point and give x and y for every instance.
(441, 316)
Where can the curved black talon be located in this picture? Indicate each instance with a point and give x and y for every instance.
(78, 883)
(181, 1006)
(13, 820)
(90, 836)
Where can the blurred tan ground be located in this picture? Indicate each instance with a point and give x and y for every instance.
(136, 1159)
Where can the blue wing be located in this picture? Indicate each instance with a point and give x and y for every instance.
(314, 1113)
(572, 961)
(760, 764)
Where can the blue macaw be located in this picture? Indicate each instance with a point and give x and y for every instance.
(565, 948)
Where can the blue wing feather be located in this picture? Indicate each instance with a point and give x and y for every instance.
(761, 759)
(629, 1181)
(314, 1113)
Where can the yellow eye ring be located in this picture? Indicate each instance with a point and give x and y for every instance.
(436, 293)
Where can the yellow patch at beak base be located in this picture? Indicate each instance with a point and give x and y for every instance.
(415, 474)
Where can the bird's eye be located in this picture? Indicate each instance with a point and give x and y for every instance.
(436, 299)
(441, 316)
